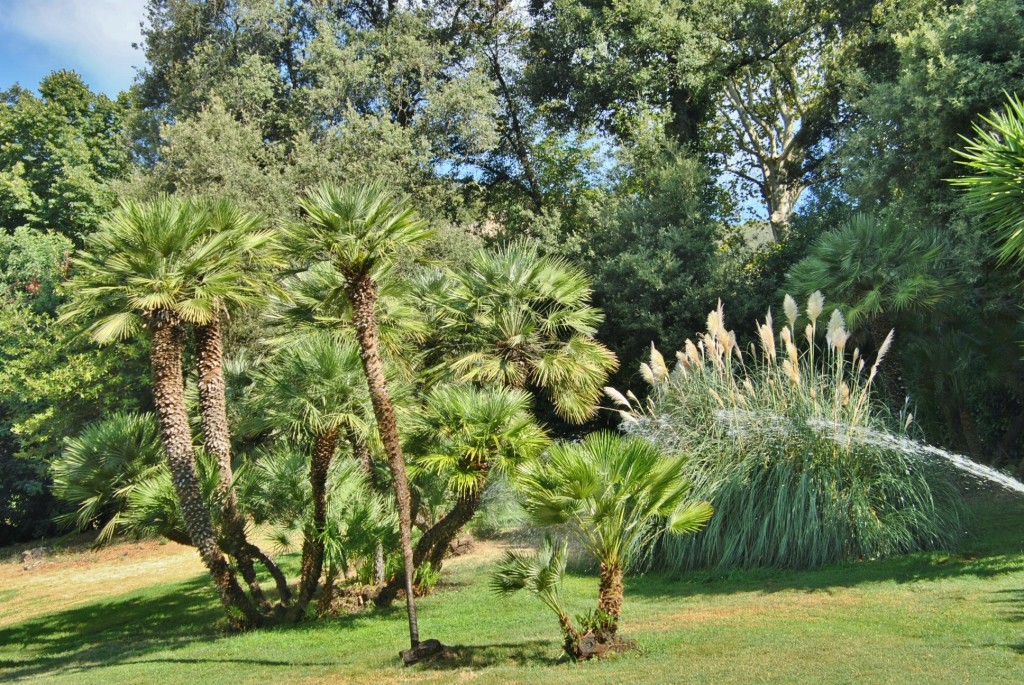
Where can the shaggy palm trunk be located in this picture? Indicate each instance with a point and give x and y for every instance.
(176, 435)
(313, 545)
(609, 598)
(217, 440)
(363, 294)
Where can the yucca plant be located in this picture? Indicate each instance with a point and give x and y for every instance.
(615, 495)
(791, 448)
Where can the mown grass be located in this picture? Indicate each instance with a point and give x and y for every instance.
(924, 618)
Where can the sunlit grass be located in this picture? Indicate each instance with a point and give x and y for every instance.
(930, 617)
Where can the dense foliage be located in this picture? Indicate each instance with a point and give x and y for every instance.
(363, 261)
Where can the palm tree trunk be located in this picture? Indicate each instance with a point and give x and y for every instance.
(313, 545)
(610, 592)
(363, 294)
(176, 435)
(217, 440)
(433, 544)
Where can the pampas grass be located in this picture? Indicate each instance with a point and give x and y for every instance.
(774, 447)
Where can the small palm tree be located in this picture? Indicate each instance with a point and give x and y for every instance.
(540, 573)
(143, 270)
(878, 271)
(523, 320)
(994, 192)
(99, 468)
(361, 231)
(315, 390)
(615, 495)
(463, 435)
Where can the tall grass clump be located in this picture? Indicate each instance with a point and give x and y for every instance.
(789, 446)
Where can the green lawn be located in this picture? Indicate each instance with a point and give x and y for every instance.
(929, 618)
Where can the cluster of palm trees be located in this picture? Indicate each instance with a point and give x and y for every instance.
(363, 349)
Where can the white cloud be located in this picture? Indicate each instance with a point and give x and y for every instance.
(95, 36)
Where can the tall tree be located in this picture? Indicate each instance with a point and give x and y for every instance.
(143, 271)
(58, 154)
(238, 280)
(363, 231)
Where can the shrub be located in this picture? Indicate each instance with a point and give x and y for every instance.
(100, 468)
(791, 449)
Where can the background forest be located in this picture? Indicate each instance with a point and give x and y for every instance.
(677, 152)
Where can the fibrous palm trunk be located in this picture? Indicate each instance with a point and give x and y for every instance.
(362, 291)
(176, 435)
(610, 593)
(217, 440)
(313, 545)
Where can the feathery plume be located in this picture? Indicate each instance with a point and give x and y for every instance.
(617, 397)
(646, 373)
(658, 367)
(792, 311)
(886, 344)
(815, 305)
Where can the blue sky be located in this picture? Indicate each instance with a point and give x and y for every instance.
(92, 37)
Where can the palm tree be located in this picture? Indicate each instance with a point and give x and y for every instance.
(878, 270)
(361, 231)
(237, 280)
(994, 193)
(615, 495)
(139, 272)
(100, 467)
(522, 320)
(315, 390)
(464, 435)
(540, 572)
(884, 275)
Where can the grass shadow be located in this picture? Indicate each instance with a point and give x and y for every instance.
(528, 653)
(109, 632)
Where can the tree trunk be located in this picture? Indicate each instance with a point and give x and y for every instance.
(433, 545)
(610, 592)
(313, 545)
(176, 435)
(217, 441)
(362, 291)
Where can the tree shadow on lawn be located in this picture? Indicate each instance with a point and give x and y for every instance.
(104, 633)
(527, 653)
(129, 629)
